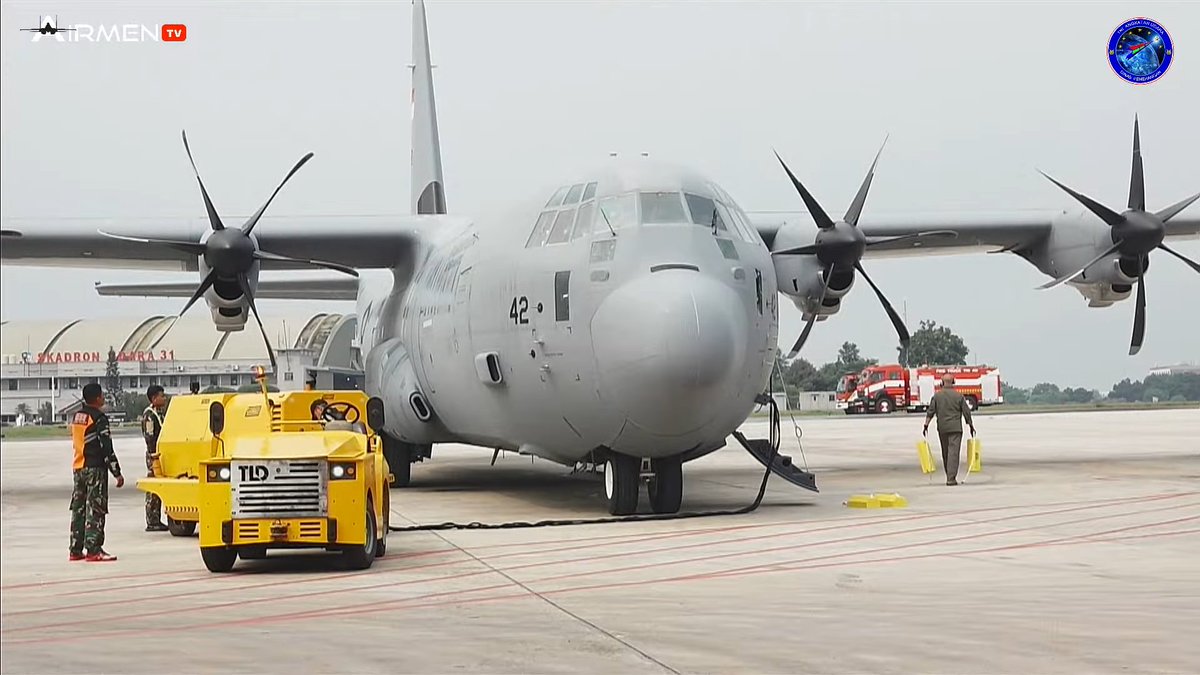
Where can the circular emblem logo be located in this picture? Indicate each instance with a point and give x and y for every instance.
(1140, 51)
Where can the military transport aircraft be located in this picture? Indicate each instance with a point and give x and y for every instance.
(629, 315)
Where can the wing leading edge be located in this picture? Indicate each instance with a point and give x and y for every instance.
(362, 242)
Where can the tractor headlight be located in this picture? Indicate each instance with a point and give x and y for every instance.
(219, 473)
(341, 471)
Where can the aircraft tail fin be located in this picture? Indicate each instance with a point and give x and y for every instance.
(428, 192)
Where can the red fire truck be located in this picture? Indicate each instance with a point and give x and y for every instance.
(884, 389)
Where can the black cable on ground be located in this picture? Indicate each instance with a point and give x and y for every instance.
(762, 490)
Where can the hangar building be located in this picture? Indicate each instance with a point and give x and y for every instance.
(50, 361)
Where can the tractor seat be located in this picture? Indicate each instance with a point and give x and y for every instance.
(343, 425)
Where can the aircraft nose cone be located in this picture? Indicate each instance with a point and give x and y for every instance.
(668, 348)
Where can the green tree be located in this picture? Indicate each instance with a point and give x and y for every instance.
(22, 410)
(1046, 393)
(934, 345)
(46, 412)
(250, 388)
(1014, 395)
(1127, 390)
(113, 391)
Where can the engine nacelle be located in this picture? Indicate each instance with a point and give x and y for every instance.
(802, 278)
(1074, 241)
(225, 299)
(390, 375)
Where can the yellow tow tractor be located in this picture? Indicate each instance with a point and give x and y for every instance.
(255, 471)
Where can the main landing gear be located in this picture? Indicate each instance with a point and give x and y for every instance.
(623, 478)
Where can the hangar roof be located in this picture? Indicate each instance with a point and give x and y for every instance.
(191, 338)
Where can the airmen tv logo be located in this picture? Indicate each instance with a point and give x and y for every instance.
(1140, 51)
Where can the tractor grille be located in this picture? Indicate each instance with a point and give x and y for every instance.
(279, 488)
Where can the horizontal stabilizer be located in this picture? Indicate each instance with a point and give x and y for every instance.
(333, 288)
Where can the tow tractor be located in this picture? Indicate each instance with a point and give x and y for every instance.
(254, 471)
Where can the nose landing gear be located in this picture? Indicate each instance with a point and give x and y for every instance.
(622, 483)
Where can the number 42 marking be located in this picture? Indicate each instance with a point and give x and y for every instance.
(517, 311)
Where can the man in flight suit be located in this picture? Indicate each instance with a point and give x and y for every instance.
(950, 407)
(94, 458)
(152, 421)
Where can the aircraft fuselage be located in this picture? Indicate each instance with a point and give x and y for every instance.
(649, 339)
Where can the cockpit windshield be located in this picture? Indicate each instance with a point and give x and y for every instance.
(662, 208)
(844, 385)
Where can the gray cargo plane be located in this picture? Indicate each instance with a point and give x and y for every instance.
(626, 320)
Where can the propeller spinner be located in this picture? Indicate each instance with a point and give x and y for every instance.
(230, 253)
(1135, 233)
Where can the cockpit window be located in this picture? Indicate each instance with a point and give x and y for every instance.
(573, 195)
(562, 227)
(589, 191)
(558, 197)
(583, 222)
(541, 230)
(617, 212)
(705, 212)
(662, 207)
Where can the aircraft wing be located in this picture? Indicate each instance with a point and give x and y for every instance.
(1011, 231)
(326, 288)
(364, 242)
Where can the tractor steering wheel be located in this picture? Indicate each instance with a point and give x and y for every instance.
(347, 410)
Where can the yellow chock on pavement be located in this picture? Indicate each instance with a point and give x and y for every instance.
(874, 501)
(974, 458)
(925, 455)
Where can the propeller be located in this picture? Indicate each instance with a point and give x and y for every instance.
(1134, 233)
(840, 245)
(230, 253)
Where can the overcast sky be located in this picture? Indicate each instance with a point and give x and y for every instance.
(974, 96)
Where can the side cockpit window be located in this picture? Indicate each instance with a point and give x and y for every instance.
(706, 213)
(541, 230)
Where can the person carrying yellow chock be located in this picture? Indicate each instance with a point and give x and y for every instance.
(950, 407)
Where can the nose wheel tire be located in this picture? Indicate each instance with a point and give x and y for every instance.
(399, 456)
(666, 487)
(181, 528)
(621, 484)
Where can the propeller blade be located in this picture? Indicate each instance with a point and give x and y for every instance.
(916, 236)
(812, 319)
(1137, 180)
(200, 291)
(1173, 210)
(213, 219)
(799, 250)
(249, 226)
(1111, 250)
(1139, 315)
(245, 285)
(901, 330)
(265, 255)
(1103, 212)
(1191, 263)
(192, 247)
(814, 209)
(860, 199)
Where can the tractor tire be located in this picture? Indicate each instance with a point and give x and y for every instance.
(218, 559)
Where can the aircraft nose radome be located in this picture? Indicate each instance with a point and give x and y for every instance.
(668, 347)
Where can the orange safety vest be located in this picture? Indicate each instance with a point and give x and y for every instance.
(82, 434)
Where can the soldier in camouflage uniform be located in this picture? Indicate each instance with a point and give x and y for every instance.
(94, 459)
(152, 421)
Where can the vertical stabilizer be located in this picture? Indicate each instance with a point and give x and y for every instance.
(428, 193)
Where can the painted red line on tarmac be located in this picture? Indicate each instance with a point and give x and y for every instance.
(735, 554)
(401, 605)
(385, 605)
(858, 522)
